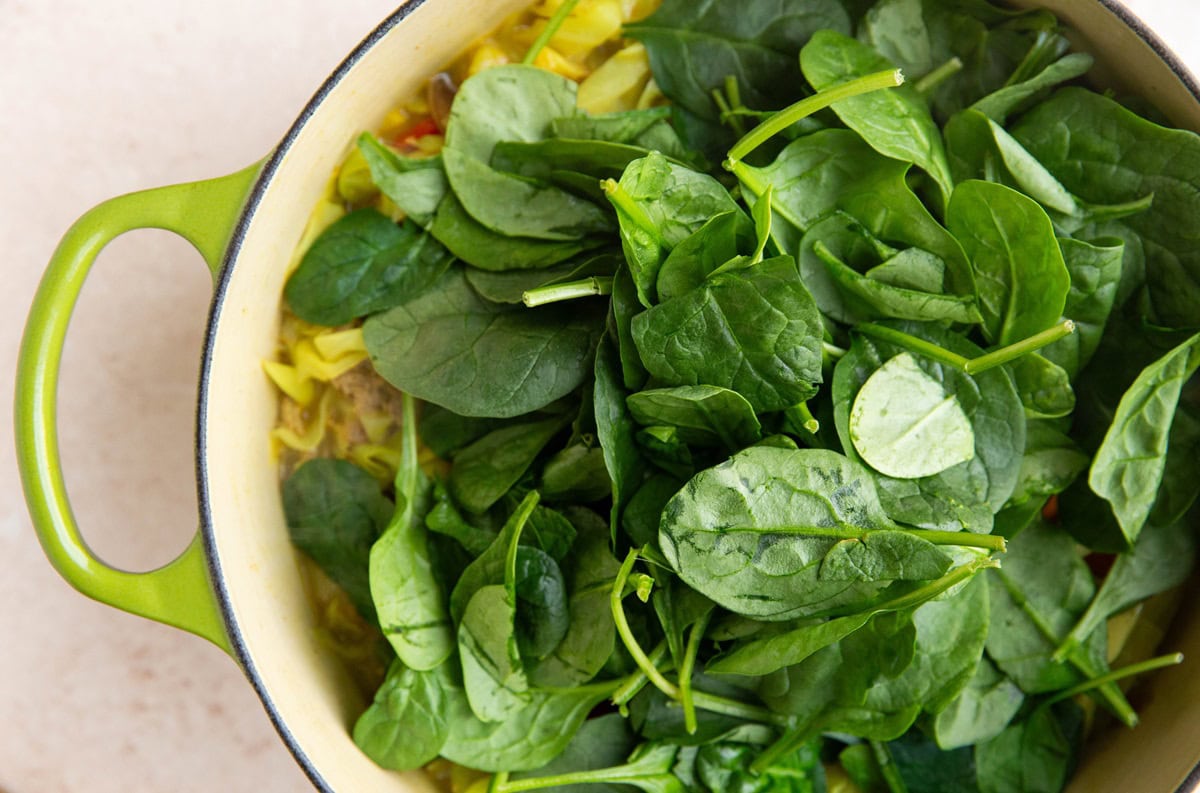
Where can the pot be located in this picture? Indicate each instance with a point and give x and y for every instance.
(237, 584)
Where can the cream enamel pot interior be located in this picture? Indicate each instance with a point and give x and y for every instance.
(238, 584)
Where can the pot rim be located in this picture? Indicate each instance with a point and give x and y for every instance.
(260, 187)
(233, 249)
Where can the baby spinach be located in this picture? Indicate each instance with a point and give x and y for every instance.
(487, 469)
(1128, 467)
(659, 204)
(1095, 268)
(362, 264)
(405, 726)
(477, 358)
(408, 598)
(756, 42)
(528, 99)
(335, 512)
(904, 425)
(703, 415)
(756, 333)
(1107, 154)
(1019, 269)
(415, 184)
(775, 534)
(896, 123)
(966, 495)
(481, 247)
(981, 711)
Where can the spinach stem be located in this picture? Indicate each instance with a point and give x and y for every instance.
(409, 468)
(685, 672)
(808, 420)
(887, 767)
(807, 106)
(498, 783)
(625, 203)
(626, 634)
(1115, 675)
(783, 746)
(912, 344)
(832, 350)
(570, 290)
(552, 25)
(963, 539)
(637, 680)
(971, 366)
(1015, 350)
(929, 82)
(739, 710)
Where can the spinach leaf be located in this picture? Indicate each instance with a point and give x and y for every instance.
(1051, 462)
(510, 286)
(1037, 596)
(415, 184)
(756, 333)
(444, 518)
(405, 726)
(775, 534)
(762, 656)
(835, 169)
(896, 122)
(544, 159)
(491, 566)
(408, 598)
(981, 710)
(576, 475)
(1019, 269)
(970, 493)
(528, 738)
(721, 238)
(1035, 755)
(1161, 559)
(904, 425)
(493, 677)
(334, 512)
(513, 103)
(590, 638)
(1095, 268)
(1044, 387)
(727, 768)
(615, 430)
(755, 42)
(827, 258)
(925, 768)
(481, 247)
(602, 742)
(361, 264)
(659, 204)
(1128, 467)
(450, 347)
(487, 469)
(703, 415)
(951, 632)
(999, 104)
(1104, 153)
(648, 129)
(542, 614)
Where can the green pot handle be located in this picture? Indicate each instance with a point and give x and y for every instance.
(179, 593)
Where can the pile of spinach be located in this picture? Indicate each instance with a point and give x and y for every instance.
(776, 418)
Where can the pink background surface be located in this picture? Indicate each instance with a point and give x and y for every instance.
(98, 99)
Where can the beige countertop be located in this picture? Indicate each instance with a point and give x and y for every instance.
(98, 99)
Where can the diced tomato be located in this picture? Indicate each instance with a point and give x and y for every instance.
(426, 126)
(1050, 510)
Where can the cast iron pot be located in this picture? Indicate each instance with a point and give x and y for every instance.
(238, 584)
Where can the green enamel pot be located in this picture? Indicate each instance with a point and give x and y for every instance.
(237, 583)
